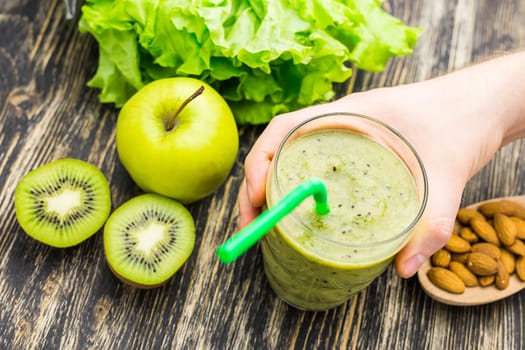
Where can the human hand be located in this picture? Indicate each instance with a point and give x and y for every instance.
(452, 123)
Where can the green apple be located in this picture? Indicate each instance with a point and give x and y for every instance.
(177, 137)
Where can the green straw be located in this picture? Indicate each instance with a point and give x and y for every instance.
(251, 234)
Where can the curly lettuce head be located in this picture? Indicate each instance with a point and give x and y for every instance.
(264, 57)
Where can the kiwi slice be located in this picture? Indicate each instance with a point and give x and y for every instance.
(147, 239)
(63, 202)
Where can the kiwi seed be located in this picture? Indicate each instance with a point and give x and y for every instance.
(63, 202)
(147, 239)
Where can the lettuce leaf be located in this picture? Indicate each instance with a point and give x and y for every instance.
(264, 57)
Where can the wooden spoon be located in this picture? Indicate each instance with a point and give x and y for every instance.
(472, 295)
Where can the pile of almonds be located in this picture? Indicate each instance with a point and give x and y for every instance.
(486, 248)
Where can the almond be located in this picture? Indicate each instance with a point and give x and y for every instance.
(489, 249)
(502, 276)
(520, 227)
(441, 258)
(481, 264)
(457, 244)
(485, 281)
(506, 207)
(508, 259)
(466, 214)
(520, 268)
(517, 248)
(485, 231)
(465, 274)
(446, 280)
(468, 235)
(459, 257)
(505, 229)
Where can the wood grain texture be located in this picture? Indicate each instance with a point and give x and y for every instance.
(68, 298)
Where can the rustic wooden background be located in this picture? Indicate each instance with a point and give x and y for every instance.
(68, 299)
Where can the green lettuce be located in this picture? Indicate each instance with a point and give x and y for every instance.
(264, 57)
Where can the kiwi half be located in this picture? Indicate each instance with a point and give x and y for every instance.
(147, 239)
(63, 202)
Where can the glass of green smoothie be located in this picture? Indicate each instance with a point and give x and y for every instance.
(377, 193)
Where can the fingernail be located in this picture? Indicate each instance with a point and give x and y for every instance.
(413, 264)
(239, 222)
(249, 191)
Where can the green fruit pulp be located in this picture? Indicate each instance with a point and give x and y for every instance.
(63, 202)
(147, 239)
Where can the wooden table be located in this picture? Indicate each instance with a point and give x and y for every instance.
(68, 298)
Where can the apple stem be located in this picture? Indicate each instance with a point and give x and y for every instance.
(171, 122)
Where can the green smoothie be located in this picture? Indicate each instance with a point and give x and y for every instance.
(316, 262)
